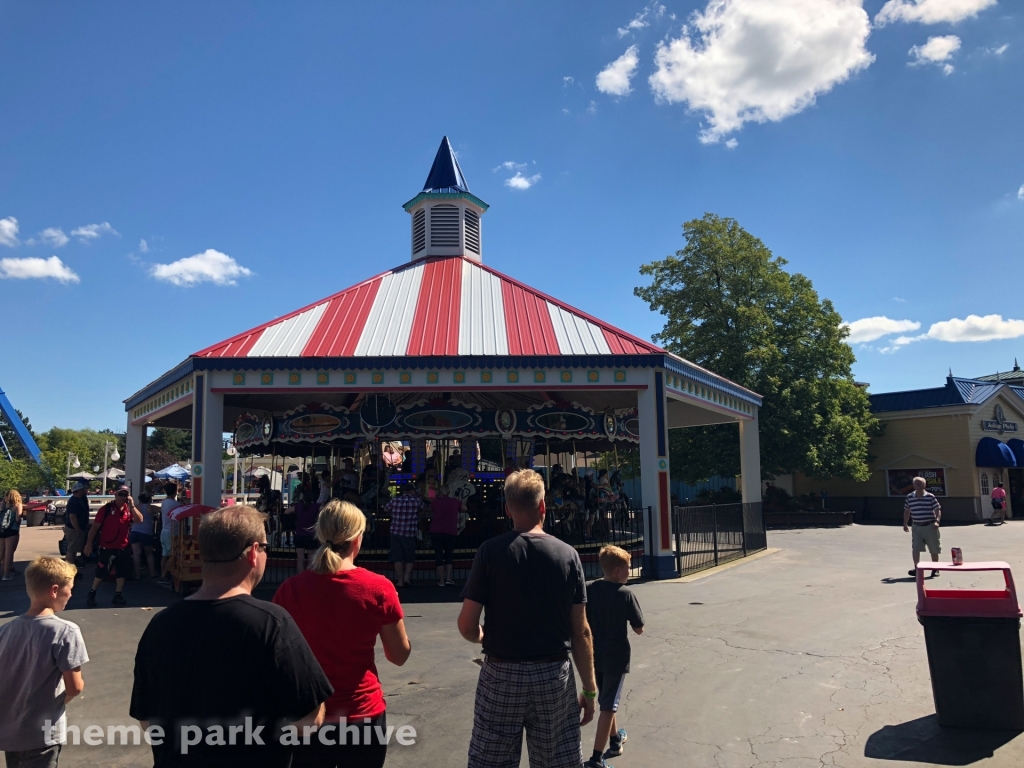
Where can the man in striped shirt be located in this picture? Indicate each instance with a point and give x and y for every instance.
(922, 509)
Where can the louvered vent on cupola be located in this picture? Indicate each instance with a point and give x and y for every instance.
(472, 231)
(419, 231)
(444, 226)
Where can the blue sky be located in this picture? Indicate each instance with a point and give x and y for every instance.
(875, 146)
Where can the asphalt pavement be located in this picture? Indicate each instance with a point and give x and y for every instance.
(809, 656)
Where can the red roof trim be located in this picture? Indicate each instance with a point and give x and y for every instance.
(644, 347)
(435, 325)
(527, 322)
(216, 350)
(338, 331)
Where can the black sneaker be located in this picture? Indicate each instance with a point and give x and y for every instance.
(119, 599)
(615, 743)
(90, 601)
(597, 764)
(912, 572)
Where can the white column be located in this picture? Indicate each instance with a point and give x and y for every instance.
(652, 413)
(207, 428)
(750, 460)
(135, 457)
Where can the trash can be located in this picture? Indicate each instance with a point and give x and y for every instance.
(973, 642)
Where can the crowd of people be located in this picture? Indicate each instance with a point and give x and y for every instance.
(294, 681)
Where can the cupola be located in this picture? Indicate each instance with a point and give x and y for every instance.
(446, 215)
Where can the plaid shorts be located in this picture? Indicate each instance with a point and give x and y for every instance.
(539, 697)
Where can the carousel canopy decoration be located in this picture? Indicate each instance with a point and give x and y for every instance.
(436, 418)
(252, 430)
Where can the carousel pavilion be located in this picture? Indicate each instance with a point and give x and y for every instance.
(443, 348)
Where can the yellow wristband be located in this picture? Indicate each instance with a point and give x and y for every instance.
(590, 694)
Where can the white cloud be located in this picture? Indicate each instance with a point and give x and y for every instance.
(937, 50)
(871, 328)
(510, 165)
(143, 246)
(522, 182)
(971, 328)
(997, 51)
(1020, 192)
(614, 79)
(9, 232)
(94, 231)
(567, 80)
(36, 269)
(732, 144)
(53, 236)
(638, 22)
(930, 11)
(592, 109)
(210, 266)
(748, 60)
(976, 328)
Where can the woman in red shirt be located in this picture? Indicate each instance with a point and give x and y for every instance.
(341, 609)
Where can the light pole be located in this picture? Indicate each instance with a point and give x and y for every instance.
(114, 456)
(76, 465)
(233, 453)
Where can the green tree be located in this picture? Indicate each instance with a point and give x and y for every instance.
(11, 438)
(731, 307)
(175, 442)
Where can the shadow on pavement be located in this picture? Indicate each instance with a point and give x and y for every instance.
(139, 594)
(924, 741)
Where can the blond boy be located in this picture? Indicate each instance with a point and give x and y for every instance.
(41, 657)
(611, 606)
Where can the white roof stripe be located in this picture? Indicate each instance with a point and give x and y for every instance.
(481, 313)
(576, 335)
(288, 338)
(387, 329)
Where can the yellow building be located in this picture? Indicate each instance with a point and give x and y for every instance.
(964, 438)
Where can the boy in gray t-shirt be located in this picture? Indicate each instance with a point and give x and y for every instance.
(41, 658)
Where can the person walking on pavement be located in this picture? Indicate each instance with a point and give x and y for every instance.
(254, 672)
(998, 505)
(112, 526)
(922, 509)
(341, 610)
(167, 506)
(405, 524)
(11, 510)
(76, 521)
(535, 593)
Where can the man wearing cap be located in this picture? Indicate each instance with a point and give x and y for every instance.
(76, 521)
(113, 525)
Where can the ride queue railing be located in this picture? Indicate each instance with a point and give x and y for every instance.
(587, 532)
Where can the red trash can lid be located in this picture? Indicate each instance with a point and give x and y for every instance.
(985, 603)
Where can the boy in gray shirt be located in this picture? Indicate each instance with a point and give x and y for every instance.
(41, 658)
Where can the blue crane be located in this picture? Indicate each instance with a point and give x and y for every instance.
(24, 436)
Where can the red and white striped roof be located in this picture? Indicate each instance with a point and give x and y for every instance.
(442, 306)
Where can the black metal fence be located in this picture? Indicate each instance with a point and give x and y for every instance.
(587, 532)
(707, 536)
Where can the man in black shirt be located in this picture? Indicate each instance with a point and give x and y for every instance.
(76, 521)
(534, 590)
(228, 678)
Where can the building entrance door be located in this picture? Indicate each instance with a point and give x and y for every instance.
(1015, 491)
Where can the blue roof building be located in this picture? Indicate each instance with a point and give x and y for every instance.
(964, 438)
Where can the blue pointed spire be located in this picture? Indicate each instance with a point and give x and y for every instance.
(445, 174)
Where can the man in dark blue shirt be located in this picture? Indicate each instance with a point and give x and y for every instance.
(76, 521)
